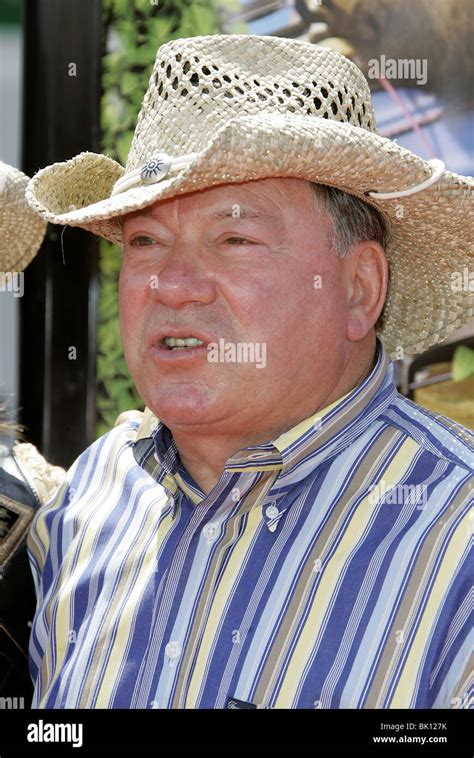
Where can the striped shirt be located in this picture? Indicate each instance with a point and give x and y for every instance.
(327, 568)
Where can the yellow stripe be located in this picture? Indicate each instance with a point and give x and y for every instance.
(128, 610)
(334, 570)
(148, 425)
(37, 541)
(193, 496)
(38, 535)
(220, 599)
(287, 438)
(407, 682)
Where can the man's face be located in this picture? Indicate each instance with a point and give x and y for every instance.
(246, 265)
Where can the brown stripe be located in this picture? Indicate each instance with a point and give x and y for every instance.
(462, 697)
(420, 575)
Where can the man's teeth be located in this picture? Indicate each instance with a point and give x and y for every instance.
(175, 343)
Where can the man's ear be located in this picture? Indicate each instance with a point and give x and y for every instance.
(367, 287)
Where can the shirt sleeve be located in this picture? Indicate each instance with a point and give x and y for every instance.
(39, 536)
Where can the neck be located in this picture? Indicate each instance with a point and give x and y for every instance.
(204, 454)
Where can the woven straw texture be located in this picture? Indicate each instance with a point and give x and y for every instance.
(21, 230)
(256, 107)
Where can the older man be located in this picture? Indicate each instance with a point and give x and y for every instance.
(283, 530)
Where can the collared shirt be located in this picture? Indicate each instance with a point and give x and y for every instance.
(327, 568)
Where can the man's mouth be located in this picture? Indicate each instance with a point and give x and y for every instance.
(177, 343)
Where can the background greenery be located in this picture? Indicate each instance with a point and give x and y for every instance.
(133, 31)
(10, 12)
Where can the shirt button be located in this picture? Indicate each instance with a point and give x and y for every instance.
(173, 649)
(211, 531)
(272, 511)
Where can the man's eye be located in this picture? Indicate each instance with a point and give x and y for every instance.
(142, 240)
(236, 240)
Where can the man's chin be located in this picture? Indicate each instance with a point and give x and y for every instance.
(184, 404)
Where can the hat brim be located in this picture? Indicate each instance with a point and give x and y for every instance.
(430, 231)
(21, 230)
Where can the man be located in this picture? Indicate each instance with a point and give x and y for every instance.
(283, 530)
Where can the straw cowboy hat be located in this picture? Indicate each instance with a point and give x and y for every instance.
(232, 108)
(21, 229)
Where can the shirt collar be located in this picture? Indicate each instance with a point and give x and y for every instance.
(294, 454)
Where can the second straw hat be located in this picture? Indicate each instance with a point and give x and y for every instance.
(21, 229)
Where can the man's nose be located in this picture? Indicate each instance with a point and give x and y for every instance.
(184, 278)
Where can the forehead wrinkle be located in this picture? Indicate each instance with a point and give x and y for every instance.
(243, 212)
(223, 212)
(270, 223)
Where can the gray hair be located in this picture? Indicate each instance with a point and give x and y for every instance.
(353, 220)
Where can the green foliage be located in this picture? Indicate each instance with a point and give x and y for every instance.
(133, 31)
(10, 12)
(463, 363)
(115, 389)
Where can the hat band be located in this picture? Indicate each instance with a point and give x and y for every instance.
(153, 170)
(438, 166)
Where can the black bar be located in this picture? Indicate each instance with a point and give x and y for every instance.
(250, 732)
(61, 117)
